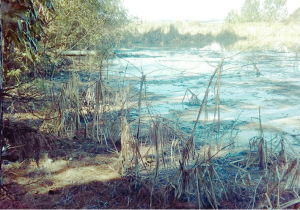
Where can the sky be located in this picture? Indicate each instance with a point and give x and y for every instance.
(188, 9)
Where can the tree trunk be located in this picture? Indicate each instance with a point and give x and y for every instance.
(1, 101)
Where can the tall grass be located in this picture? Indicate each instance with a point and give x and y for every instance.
(233, 36)
(267, 35)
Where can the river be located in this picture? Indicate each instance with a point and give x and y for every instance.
(251, 79)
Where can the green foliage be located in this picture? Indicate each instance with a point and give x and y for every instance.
(232, 17)
(250, 11)
(272, 10)
(23, 23)
(33, 28)
(295, 16)
(275, 10)
(85, 25)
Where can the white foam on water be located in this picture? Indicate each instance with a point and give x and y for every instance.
(276, 89)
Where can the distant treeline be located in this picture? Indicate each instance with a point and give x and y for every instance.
(159, 36)
(269, 11)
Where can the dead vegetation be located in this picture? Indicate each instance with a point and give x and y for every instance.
(92, 153)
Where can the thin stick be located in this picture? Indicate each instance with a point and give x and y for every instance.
(239, 168)
(290, 203)
(221, 183)
(198, 190)
(218, 105)
(261, 150)
(269, 201)
(210, 176)
(206, 95)
(221, 150)
(255, 192)
(155, 127)
(139, 120)
(139, 104)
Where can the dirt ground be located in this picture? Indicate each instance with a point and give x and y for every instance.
(85, 177)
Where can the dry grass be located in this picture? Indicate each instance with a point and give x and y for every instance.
(94, 181)
(192, 27)
(239, 36)
(148, 162)
(182, 34)
(269, 36)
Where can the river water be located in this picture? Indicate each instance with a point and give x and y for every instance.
(268, 79)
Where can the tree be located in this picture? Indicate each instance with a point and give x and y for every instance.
(32, 29)
(295, 16)
(82, 24)
(23, 27)
(1, 99)
(275, 10)
(250, 11)
(232, 17)
(20, 29)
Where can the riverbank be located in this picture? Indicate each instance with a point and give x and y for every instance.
(237, 36)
